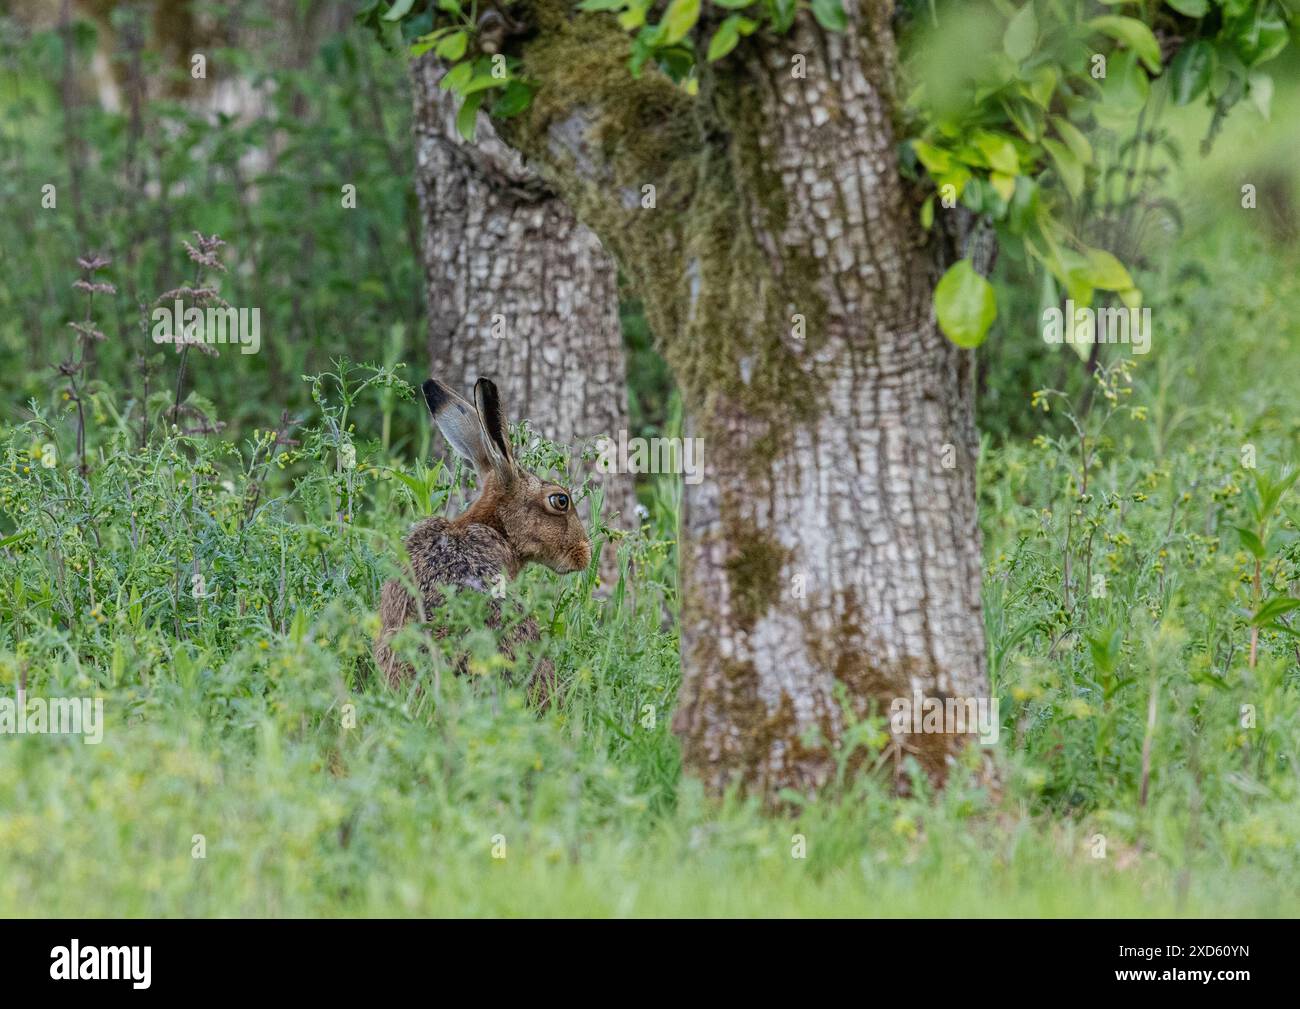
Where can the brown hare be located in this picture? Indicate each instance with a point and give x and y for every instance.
(517, 519)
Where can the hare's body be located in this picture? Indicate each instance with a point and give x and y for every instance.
(516, 519)
(469, 555)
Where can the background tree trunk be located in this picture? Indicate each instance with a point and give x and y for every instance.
(518, 289)
(832, 547)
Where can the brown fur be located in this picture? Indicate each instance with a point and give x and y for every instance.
(511, 523)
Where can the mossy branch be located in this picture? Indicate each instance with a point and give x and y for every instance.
(600, 135)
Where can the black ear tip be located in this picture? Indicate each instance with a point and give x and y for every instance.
(435, 395)
(486, 396)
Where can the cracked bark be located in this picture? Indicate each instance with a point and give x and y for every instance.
(828, 545)
(518, 290)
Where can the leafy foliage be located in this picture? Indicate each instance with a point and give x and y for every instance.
(1003, 123)
(999, 121)
(476, 70)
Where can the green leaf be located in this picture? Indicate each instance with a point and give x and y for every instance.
(457, 77)
(958, 178)
(1124, 92)
(1191, 71)
(1261, 93)
(452, 47)
(1251, 541)
(1074, 139)
(679, 19)
(1276, 607)
(1026, 116)
(935, 159)
(1021, 34)
(9, 541)
(965, 305)
(830, 15)
(999, 150)
(417, 488)
(483, 80)
(450, 6)
(1270, 491)
(1042, 86)
(783, 12)
(927, 212)
(1074, 271)
(1192, 8)
(724, 39)
(399, 10)
(602, 5)
(1068, 167)
(633, 17)
(1133, 34)
(1259, 39)
(1022, 210)
(1107, 272)
(978, 195)
(467, 117)
(734, 5)
(516, 97)
(1106, 650)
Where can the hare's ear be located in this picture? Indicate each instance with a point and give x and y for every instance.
(459, 424)
(495, 436)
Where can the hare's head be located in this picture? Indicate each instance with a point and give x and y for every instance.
(537, 518)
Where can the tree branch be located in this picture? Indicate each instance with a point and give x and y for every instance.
(598, 135)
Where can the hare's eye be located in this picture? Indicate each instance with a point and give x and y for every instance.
(560, 502)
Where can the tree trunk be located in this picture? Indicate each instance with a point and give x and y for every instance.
(832, 548)
(518, 290)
